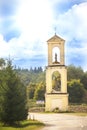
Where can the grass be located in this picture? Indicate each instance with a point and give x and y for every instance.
(25, 125)
(78, 114)
(68, 113)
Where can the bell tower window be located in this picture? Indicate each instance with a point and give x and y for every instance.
(56, 55)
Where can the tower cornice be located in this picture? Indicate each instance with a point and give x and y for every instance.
(55, 38)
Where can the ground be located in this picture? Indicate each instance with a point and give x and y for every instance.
(61, 121)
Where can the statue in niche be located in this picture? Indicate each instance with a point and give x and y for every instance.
(56, 82)
(55, 57)
(56, 62)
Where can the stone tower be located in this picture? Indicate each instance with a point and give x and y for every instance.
(56, 76)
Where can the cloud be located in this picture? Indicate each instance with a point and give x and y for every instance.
(61, 6)
(73, 22)
(21, 50)
(26, 31)
(34, 19)
(30, 24)
(72, 26)
(7, 19)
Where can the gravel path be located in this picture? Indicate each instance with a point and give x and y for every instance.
(61, 121)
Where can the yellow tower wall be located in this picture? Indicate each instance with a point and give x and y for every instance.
(56, 98)
(54, 101)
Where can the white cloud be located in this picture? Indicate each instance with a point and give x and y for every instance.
(36, 21)
(33, 20)
(19, 48)
(73, 23)
(4, 48)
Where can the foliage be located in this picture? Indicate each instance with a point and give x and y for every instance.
(30, 90)
(85, 97)
(36, 91)
(2, 62)
(40, 92)
(34, 80)
(35, 75)
(84, 80)
(76, 91)
(74, 72)
(31, 103)
(12, 96)
(24, 125)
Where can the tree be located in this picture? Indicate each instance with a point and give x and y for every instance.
(76, 91)
(30, 90)
(74, 72)
(2, 63)
(40, 91)
(84, 80)
(85, 97)
(13, 97)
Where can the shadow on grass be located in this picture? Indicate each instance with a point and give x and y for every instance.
(24, 124)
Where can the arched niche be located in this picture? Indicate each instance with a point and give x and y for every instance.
(56, 82)
(56, 55)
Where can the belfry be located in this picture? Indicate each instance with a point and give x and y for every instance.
(56, 76)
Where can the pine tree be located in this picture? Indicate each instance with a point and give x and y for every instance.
(13, 97)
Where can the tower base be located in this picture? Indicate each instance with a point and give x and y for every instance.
(55, 100)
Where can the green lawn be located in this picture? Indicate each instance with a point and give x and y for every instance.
(25, 125)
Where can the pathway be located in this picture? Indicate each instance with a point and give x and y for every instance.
(61, 121)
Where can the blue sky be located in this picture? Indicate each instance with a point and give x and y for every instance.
(26, 25)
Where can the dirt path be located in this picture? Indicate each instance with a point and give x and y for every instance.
(61, 121)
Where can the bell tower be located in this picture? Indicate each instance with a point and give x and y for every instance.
(56, 76)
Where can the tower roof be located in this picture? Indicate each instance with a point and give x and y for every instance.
(55, 38)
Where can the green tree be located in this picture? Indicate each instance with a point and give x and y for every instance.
(13, 97)
(2, 63)
(85, 97)
(31, 76)
(40, 91)
(84, 80)
(74, 72)
(30, 90)
(76, 91)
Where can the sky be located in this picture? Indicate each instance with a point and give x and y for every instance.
(26, 25)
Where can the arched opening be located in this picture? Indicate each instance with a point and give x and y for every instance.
(56, 81)
(56, 55)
